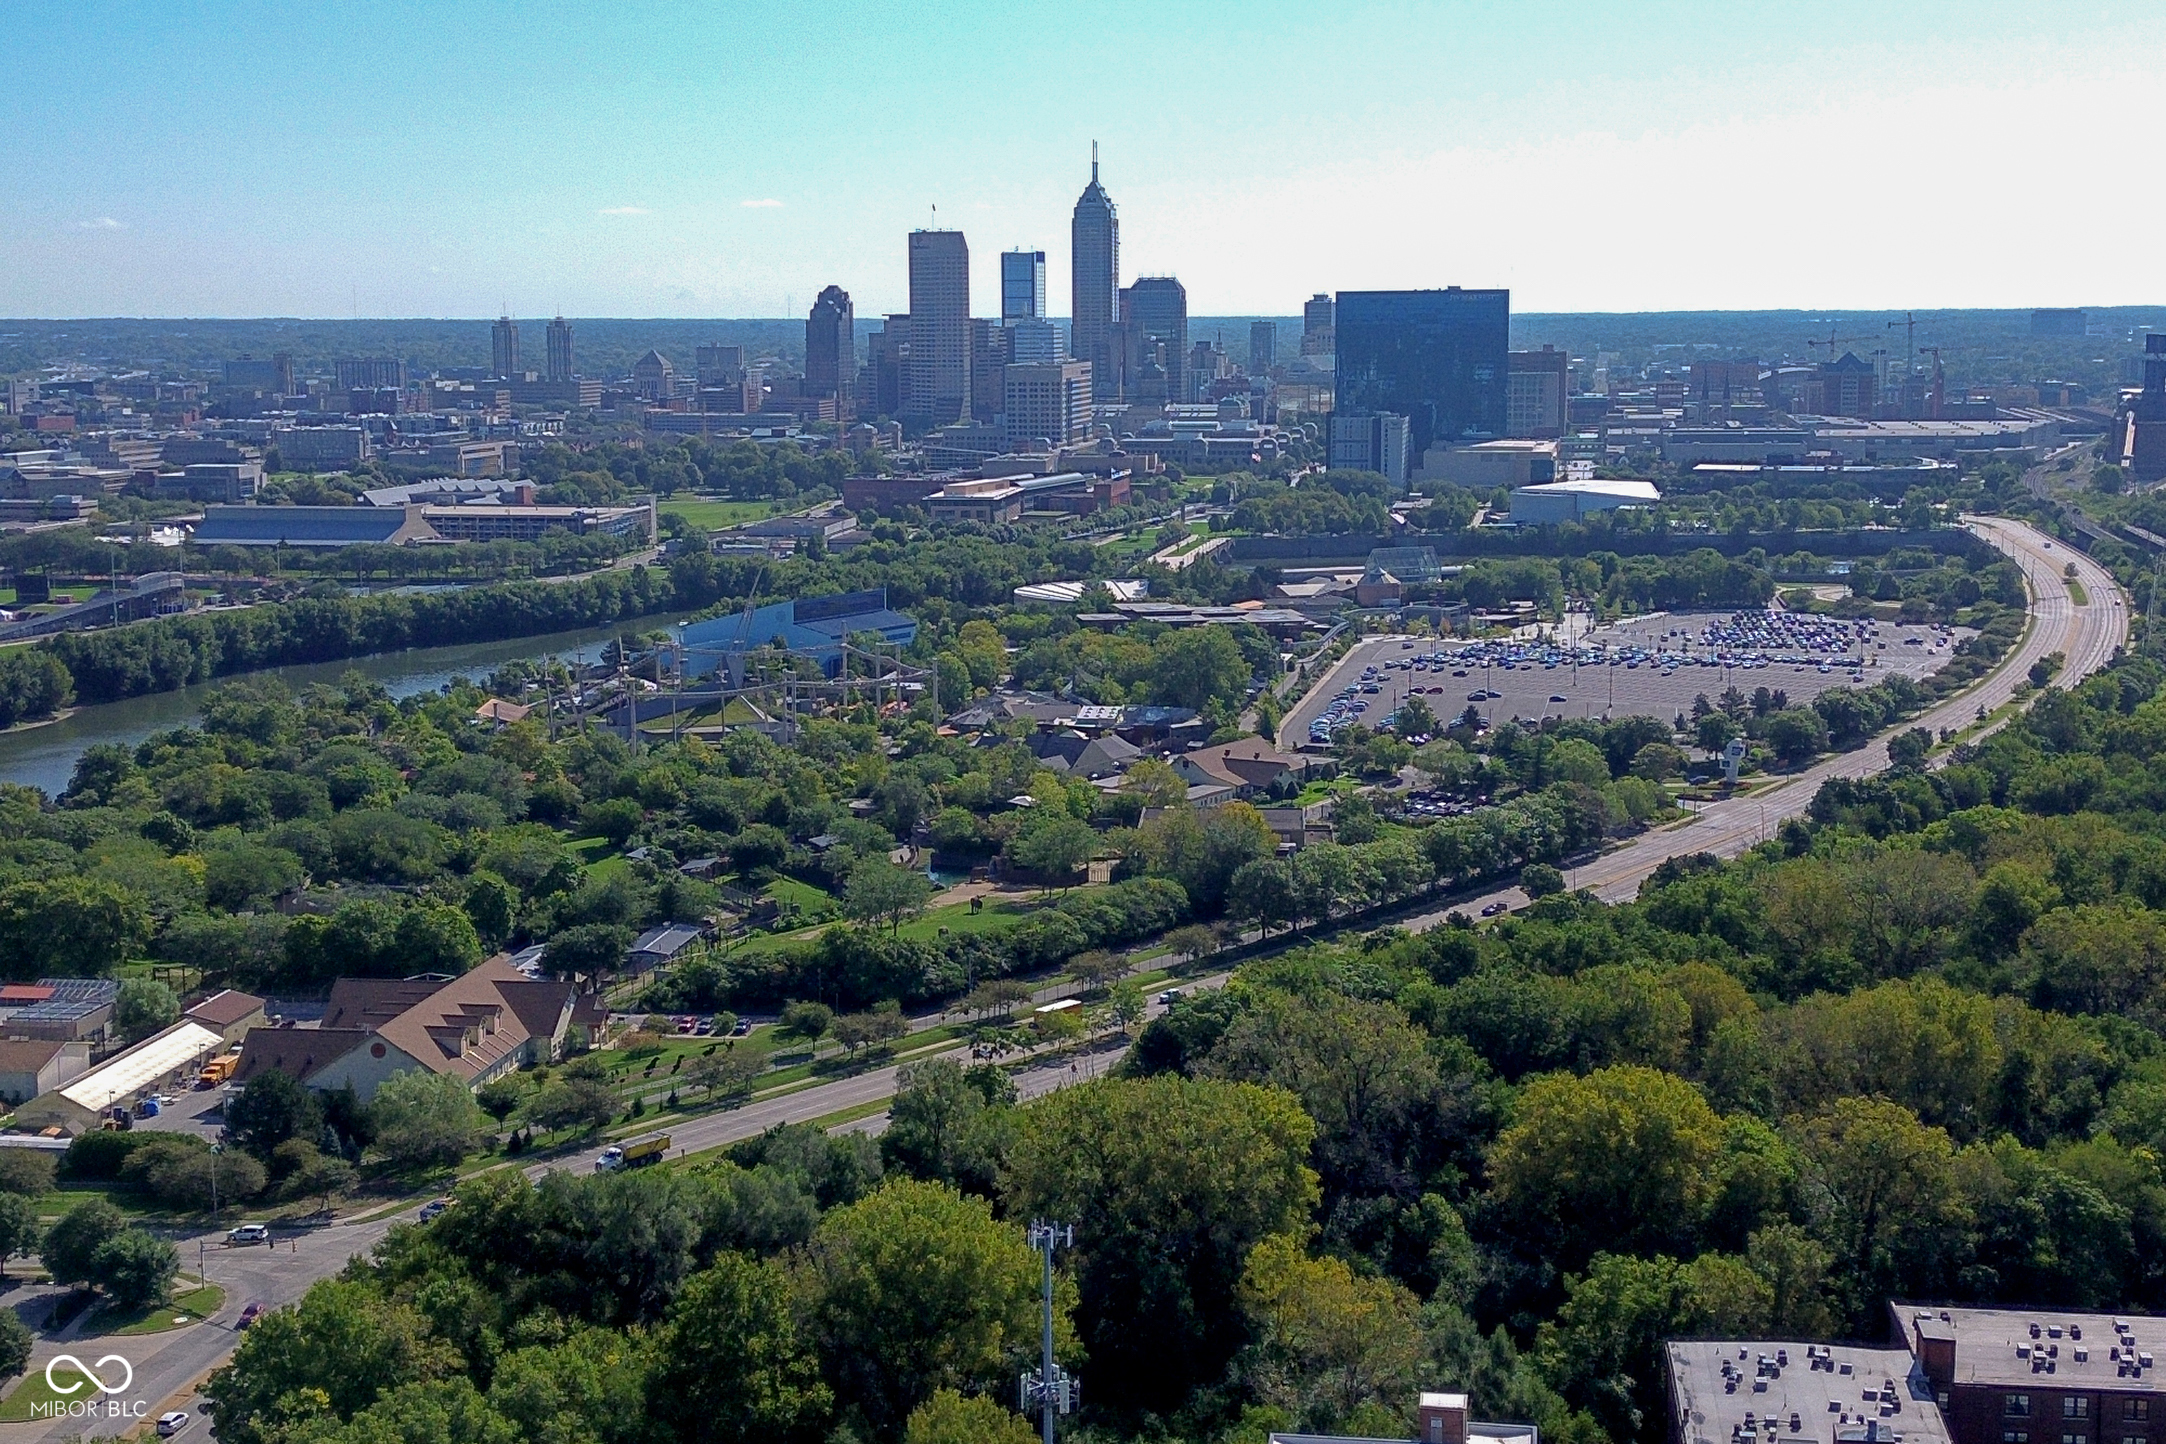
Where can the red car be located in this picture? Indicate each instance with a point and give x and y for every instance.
(248, 1316)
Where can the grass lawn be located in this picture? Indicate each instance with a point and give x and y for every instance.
(597, 856)
(33, 1392)
(1317, 792)
(997, 914)
(711, 515)
(130, 1202)
(187, 1306)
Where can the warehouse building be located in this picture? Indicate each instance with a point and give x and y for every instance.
(165, 1060)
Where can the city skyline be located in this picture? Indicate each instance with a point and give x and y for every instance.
(1605, 123)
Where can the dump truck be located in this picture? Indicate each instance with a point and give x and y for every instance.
(633, 1153)
(218, 1070)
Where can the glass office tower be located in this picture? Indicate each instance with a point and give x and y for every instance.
(1438, 358)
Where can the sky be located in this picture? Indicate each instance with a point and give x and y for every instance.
(730, 159)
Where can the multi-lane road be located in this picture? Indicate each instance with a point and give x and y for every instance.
(167, 1366)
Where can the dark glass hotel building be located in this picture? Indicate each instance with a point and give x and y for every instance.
(1438, 358)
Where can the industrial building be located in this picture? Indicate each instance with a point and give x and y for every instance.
(812, 626)
(1557, 503)
(160, 1062)
(412, 524)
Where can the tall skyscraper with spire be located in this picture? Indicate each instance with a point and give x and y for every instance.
(1094, 307)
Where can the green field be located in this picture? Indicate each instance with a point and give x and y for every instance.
(186, 1306)
(714, 515)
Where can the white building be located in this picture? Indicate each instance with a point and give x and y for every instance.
(1559, 502)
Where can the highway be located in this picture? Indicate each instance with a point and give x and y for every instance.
(168, 1365)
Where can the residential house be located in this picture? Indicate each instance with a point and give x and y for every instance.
(1251, 766)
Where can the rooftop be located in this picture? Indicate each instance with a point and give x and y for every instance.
(2031, 1346)
(1764, 1392)
(120, 1078)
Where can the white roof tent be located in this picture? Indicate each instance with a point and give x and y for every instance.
(123, 1076)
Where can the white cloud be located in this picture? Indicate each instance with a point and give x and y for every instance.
(761, 205)
(624, 211)
(102, 223)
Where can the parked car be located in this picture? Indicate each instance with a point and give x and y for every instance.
(1494, 908)
(248, 1316)
(743, 1028)
(249, 1233)
(172, 1422)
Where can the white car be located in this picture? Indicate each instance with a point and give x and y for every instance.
(172, 1422)
(249, 1233)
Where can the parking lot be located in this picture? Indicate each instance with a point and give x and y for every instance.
(1648, 666)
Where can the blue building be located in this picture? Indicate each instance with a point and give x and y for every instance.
(1438, 358)
(814, 626)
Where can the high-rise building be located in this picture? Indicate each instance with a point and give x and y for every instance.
(939, 388)
(560, 350)
(831, 350)
(887, 367)
(370, 373)
(1032, 342)
(1535, 393)
(1095, 298)
(504, 346)
(1206, 364)
(1438, 358)
(1369, 443)
(2147, 448)
(1049, 403)
(1154, 319)
(988, 354)
(1263, 347)
(1022, 286)
(1316, 322)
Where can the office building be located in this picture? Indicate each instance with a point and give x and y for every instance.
(2147, 449)
(1206, 364)
(312, 448)
(274, 375)
(887, 367)
(939, 388)
(1263, 347)
(1095, 300)
(1438, 358)
(370, 373)
(1536, 388)
(1317, 319)
(654, 378)
(1022, 286)
(560, 350)
(1846, 386)
(1032, 343)
(1154, 321)
(831, 351)
(1370, 443)
(504, 347)
(1047, 403)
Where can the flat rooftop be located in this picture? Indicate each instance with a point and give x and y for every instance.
(1774, 1392)
(2020, 1347)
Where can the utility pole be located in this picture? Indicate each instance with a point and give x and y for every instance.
(1052, 1390)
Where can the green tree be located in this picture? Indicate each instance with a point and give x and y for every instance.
(806, 1020)
(730, 1367)
(1054, 847)
(16, 1342)
(425, 1120)
(72, 1243)
(563, 1103)
(25, 1171)
(1624, 1157)
(1796, 735)
(270, 1109)
(145, 1006)
(135, 1267)
(915, 1288)
(1880, 1188)
(944, 1128)
(1196, 667)
(1540, 880)
(69, 926)
(20, 1227)
(1170, 1182)
(336, 1352)
(952, 1418)
(879, 891)
(588, 950)
(1328, 1340)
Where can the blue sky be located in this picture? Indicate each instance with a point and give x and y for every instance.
(704, 160)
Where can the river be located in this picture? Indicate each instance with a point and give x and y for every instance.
(45, 756)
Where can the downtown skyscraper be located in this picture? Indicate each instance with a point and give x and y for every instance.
(831, 351)
(939, 388)
(1094, 303)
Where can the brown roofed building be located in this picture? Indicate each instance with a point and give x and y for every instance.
(369, 1003)
(1249, 766)
(229, 1013)
(30, 1066)
(297, 1052)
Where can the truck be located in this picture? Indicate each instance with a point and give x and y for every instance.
(632, 1153)
(218, 1070)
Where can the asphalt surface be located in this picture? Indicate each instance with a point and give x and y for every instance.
(168, 1366)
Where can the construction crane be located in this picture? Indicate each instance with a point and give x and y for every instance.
(1835, 342)
(1909, 323)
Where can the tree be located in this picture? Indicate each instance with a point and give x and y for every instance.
(1624, 1157)
(72, 1243)
(16, 1342)
(1658, 761)
(1128, 1005)
(952, 1418)
(806, 1020)
(1328, 1340)
(939, 1128)
(1192, 941)
(730, 1366)
(500, 1097)
(426, 1120)
(588, 950)
(312, 1173)
(879, 891)
(135, 1267)
(1540, 880)
(1098, 967)
(1796, 735)
(732, 1074)
(884, 1024)
(565, 1103)
(1880, 1188)
(1713, 731)
(25, 1171)
(1054, 847)
(344, 1345)
(20, 1229)
(1196, 667)
(270, 1109)
(1414, 719)
(144, 1006)
(915, 1288)
(71, 926)
(1908, 749)
(1170, 1182)
(1262, 892)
